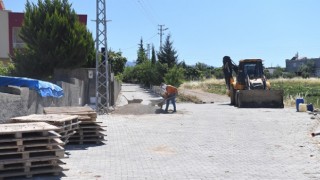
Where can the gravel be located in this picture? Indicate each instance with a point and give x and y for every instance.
(137, 109)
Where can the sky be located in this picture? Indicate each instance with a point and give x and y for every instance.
(206, 30)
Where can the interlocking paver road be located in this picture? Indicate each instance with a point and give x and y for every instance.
(201, 141)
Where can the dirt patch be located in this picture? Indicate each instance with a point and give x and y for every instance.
(205, 97)
(163, 149)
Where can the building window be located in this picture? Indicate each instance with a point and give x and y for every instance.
(17, 41)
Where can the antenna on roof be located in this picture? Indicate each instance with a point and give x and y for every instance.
(2, 5)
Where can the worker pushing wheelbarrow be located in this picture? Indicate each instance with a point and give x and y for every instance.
(170, 94)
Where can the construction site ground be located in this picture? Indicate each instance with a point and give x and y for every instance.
(200, 141)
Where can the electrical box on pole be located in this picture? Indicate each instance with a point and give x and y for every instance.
(102, 67)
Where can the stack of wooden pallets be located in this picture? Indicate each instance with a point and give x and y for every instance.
(85, 113)
(67, 124)
(28, 149)
(89, 132)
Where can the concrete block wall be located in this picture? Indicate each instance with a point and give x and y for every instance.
(89, 83)
(21, 101)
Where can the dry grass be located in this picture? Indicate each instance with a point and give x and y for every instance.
(212, 85)
(296, 80)
(202, 84)
(187, 98)
(208, 85)
(293, 88)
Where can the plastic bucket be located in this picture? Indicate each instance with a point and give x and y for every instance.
(310, 107)
(298, 101)
(302, 107)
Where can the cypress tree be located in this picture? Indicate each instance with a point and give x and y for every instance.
(54, 38)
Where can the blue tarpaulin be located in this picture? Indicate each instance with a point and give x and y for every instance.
(45, 89)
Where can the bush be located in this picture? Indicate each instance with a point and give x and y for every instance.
(175, 76)
(128, 75)
(218, 73)
(6, 70)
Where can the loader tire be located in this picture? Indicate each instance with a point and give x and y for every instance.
(237, 99)
(239, 103)
(232, 96)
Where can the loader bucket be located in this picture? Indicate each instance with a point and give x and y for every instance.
(259, 99)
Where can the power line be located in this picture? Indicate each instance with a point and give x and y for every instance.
(134, 46)
(152, 37)
(146, 12)
(154, 12)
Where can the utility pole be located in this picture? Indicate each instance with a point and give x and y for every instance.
(102, 67)
(161, 29)
(148, 51)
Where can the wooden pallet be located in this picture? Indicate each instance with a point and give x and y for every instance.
(28, 149)
(15, 136)
(13, 146)
(30, 160)
(84, 137)
(88, 132)
(86, 113)
(20, 149)
(57, 151)
(86, 141)
(89, 128)
(19, 129)
(67, 124)
(32, 164)
(30, 172)
(55, 119)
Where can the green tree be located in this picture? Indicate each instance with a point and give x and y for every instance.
(145, 73)
(142, 57)
(278, 72)
(117, 61)
(307, 69)
(192, 73)
(266, 73)
(288, 75)
(204, 69)
(182, 64)
(218, 73)
(153, 55)
(175, 76)
(129, 75)
(54, 38)
(201, 66)
(161, 70)
(168, 55)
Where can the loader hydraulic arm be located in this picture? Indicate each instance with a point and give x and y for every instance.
(228, 68)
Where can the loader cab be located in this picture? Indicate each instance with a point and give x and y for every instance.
(251, 68)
